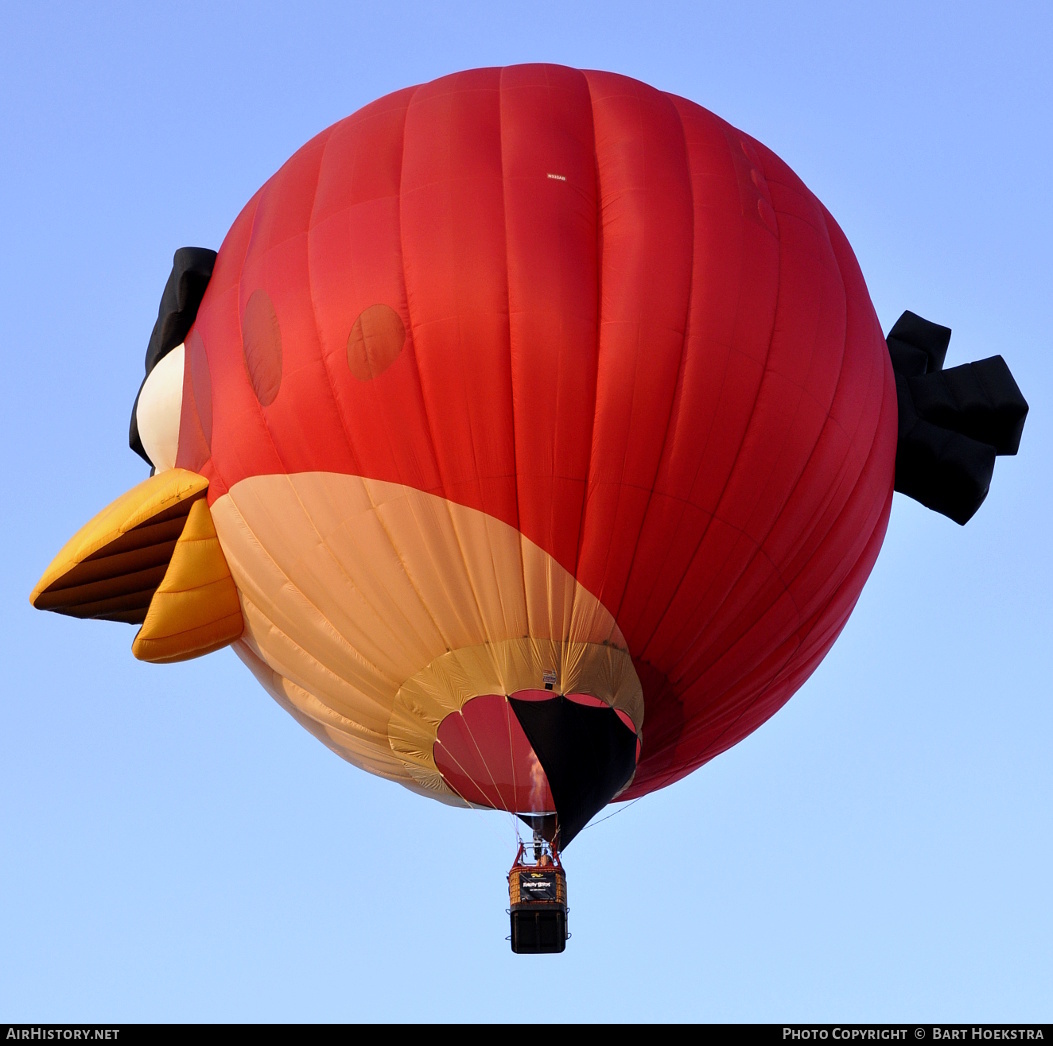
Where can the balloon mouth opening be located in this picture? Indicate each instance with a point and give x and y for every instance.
(484, 755)
(552, 759)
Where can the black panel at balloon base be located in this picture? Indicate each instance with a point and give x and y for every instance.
(537, 896)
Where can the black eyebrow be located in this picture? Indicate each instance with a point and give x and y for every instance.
(191, 271)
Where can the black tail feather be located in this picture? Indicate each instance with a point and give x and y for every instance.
(952, 423)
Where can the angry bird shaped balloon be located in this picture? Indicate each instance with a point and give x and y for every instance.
(530, 438)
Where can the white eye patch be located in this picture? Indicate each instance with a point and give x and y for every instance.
(160, 403)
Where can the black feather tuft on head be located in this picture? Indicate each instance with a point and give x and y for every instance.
(191, 271)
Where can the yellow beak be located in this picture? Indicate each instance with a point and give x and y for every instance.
(152, 558)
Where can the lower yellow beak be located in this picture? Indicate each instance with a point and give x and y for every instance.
(152, 558)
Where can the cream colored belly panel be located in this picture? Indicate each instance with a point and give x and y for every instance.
(372, 610)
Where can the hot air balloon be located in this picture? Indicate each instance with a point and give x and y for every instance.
(530, 438)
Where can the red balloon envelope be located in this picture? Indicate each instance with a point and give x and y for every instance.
(537, 430)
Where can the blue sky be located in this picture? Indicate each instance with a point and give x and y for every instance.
(173, 847)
